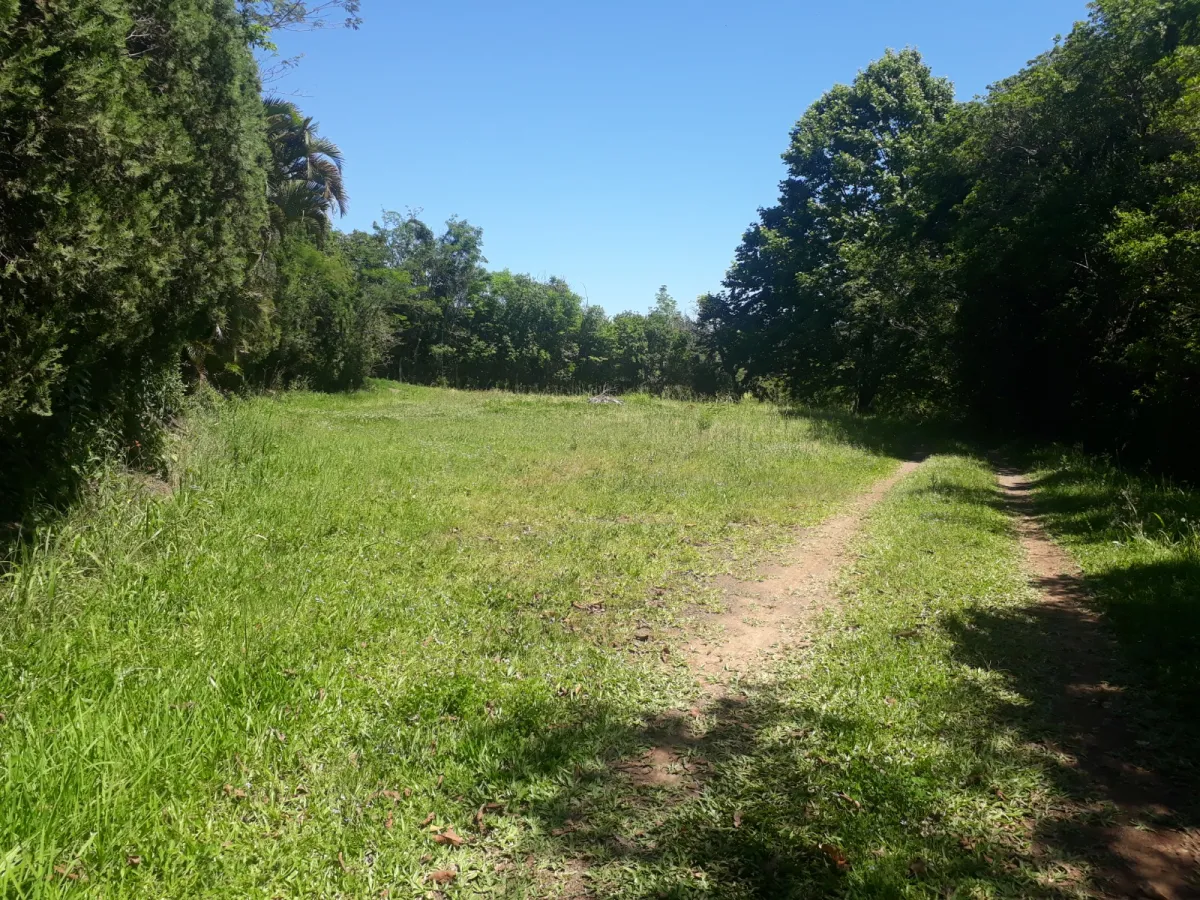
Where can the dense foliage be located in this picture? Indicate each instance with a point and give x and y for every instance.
(159, 218)
(455, 323)
(1029, 258)
(131, 206)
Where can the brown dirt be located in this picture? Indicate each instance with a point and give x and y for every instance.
(774, 613)
(1134, 856)
(770, 615)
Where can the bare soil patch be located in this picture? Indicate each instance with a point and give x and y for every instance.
(775, 611)
(772, 614)
(1136, 853)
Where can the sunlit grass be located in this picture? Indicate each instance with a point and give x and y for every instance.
(205, 692)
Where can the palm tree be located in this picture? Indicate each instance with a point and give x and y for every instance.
(305, 185)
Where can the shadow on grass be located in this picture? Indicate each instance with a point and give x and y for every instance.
(781, 799)
(1109, 752)
(1143, 532)
(765, 809)
(900, 438)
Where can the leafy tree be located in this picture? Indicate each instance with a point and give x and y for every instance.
(814, 281)
(1076, 235)
(132, 201)
(328, 332)
(1029, 258)
(305, 185)
(447, 275)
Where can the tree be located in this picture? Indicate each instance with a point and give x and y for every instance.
(132, 201)
(305, 185)
(1029, 259)
(813, 294)
(1075, 235)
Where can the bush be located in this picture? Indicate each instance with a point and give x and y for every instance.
(132, 200)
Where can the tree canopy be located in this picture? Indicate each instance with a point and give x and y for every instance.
(1028, 258)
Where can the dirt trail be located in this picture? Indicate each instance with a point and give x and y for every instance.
(769, 615)
(1135, 856)
(775, 611)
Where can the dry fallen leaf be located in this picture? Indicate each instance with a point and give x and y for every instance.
(843, 796)
(449, 836)
(737, 819)
(429, 818)
(389, 821)
(918, 868)
(342, 861)
(479, 817)
(441, 778)
(443, 876)
(133, 860)
(835, 855)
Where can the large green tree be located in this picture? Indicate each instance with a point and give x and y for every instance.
(132, 203)
(1029, 258)
(1075, 235)
(813, 295)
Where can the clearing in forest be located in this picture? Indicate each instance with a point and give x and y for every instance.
(425, 642)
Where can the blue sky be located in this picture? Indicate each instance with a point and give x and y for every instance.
(619, 145)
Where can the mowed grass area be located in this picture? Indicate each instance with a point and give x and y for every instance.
(907, 753)
(361, 628)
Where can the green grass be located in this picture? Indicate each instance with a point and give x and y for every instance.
(204, 693)
(357, 621)
(900, 756)
(1137, 539)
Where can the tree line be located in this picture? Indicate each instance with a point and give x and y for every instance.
(163, 225)
(430, 312)
(1029, 258)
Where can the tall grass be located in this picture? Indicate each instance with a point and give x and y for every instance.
(205, 690)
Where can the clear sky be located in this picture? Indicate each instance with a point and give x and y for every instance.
(619, 145)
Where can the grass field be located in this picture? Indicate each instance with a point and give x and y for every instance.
(344, 596)
(394, 643)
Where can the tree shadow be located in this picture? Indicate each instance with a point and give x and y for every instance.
(1151, 595)
(756, 810)
(781, 798)
(1104, 745)
(900, 438)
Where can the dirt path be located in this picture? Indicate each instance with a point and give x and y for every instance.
(1136, 854)
(775, 611)
(767, 616)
